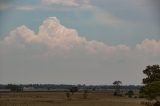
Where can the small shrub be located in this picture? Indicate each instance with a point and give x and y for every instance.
(141, 96)
(85, 94)
(135, 97)
(130, 93)
(74, 89)
(68, 95)
(156, 104)
(117, 94)
(147, 103)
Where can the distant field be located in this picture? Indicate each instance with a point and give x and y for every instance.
(59, 99)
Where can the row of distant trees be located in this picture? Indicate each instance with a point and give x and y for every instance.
(68, 87)
(14, 87)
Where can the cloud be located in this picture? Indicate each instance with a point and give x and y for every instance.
(105, 17)
(61, 2)
(54, 35)
(149, 46)
(25, 8)
(58, 54)
(4, 6)
(72, 3)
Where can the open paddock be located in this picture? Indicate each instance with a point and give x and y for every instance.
(60, 99)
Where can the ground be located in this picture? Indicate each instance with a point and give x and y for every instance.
(60, 99)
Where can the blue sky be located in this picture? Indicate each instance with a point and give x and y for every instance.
(140, 20)
(126, 28)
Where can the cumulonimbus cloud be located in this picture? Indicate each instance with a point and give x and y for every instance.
(56, 49)
(54, 36)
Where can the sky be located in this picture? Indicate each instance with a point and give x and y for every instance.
(78, 41)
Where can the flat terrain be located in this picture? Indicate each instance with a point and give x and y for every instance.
(60, 99)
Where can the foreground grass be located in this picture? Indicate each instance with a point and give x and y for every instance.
(59, 99)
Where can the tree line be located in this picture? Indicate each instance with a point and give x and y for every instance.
(63, 86)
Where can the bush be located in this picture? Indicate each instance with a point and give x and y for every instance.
(85, 94)
(68, 95)
(156, 104)
(73, 90)
(117, 94)
(135, 97)
(141, 96)
(130, 93)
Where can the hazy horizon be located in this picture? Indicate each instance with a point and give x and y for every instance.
(92, 42)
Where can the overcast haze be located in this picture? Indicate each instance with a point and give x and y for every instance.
(78, 41)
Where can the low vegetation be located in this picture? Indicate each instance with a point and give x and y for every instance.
(66, 99)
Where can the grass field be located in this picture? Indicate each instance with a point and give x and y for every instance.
(60, 99)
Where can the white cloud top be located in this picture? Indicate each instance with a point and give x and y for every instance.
(54, 35)
(72, 3)
(149, 46)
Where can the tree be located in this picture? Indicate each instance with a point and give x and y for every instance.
(117, 86)
(74, 89)
(152, 91)
(14, 88)
(151, 88)
(130, 93)
(152, 73)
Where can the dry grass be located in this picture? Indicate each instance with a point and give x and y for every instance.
(59, 99)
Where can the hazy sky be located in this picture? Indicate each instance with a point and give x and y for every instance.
(78, 41)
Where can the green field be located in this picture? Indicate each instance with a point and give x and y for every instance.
(60, 99)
